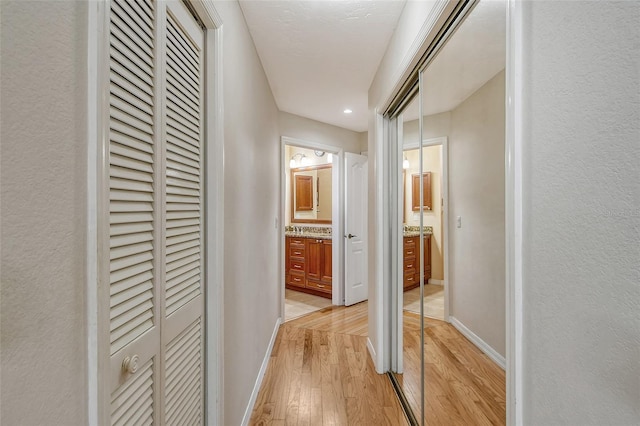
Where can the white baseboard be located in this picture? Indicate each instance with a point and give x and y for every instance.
(481, 344)
(372, 353)
(436, 282)
(263, 369)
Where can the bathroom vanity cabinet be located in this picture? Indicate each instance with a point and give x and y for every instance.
(412, 261)
(308, 265)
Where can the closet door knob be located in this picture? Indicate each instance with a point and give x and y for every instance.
(130, 364)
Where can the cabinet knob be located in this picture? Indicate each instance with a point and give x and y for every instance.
(130, 364)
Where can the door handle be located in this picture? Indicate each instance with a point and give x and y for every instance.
(350, 236)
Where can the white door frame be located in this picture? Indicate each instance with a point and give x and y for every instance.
(444, 191)
(337, 216)
(382, 324)
(97, 147)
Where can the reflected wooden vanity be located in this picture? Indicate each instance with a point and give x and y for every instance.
(412, 261)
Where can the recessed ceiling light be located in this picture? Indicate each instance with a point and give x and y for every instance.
(347, 111)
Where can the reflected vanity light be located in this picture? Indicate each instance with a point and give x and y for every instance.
(302, 161)
(405, 163)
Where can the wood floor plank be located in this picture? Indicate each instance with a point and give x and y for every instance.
(462, 385)
(320, 373)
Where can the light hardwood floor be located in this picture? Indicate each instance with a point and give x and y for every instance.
(320, 373)
(462, 385)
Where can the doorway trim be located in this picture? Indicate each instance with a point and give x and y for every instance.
(337, 226)
(444, 192)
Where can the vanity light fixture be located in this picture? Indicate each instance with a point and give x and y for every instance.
(347, 111)
(302, 161)
(405, 163)
(318, 153)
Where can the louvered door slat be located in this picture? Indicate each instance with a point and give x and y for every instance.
(184, 375)
(186, 109)
(130, 35)
(183, 155)
(189, 173)
(130, 132)
(129, 174)
(130, 283)
(183, 132)
(175, 89)
(131, 81)
(140, 70)
(135, 19)
(130, 293)
(181, 85)
(134, 397)
(124, 240)
(176, 38)
(178, 60)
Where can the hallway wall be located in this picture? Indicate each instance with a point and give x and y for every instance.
(581, 213)
(476, 193)
(252, 162)
(309, 130)
(43, 343)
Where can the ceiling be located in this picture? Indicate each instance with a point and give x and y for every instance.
(474, 54)
(320, 57)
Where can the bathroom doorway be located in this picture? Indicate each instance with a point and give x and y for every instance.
(435, 295)
(312, 223)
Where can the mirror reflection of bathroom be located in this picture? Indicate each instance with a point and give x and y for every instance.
(432, 221)
(308, 237)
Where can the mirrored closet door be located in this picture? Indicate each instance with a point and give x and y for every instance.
(448, 139)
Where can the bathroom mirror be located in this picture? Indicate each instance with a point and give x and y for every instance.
(311, 194)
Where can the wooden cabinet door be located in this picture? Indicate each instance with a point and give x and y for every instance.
(426, 191)
(326, 263)
(427, 258)
(287, 259)
(313, 259)
(304, 193)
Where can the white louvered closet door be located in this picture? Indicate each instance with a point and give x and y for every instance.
(156, 301)
(183, 294)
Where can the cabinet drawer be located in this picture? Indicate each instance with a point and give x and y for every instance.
(296, 251)
(410, 252)
(296, 241)
(297, 265)
(409, 278)
(319, 286)
(410, 264)
(410, 242)
(296, 278)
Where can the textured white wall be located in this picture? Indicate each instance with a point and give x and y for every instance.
(581, 208)
(252, 193)
(43, 340)
(476, 193)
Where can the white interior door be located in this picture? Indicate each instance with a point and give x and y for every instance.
(356, 285)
